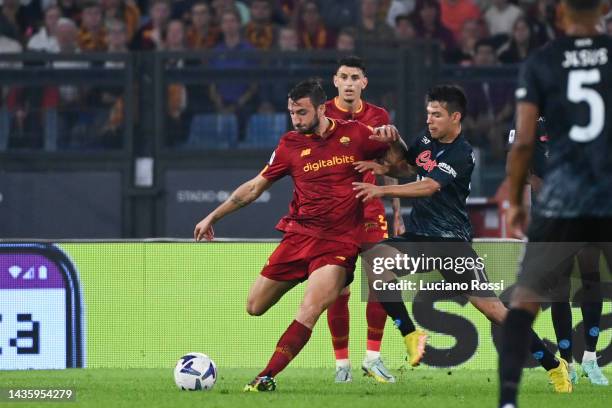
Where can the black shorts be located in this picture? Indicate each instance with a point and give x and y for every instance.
(457, 261)
(553, 244)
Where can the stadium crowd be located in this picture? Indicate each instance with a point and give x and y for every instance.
(511, 28)
(471, 33)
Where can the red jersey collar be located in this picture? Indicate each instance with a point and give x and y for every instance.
(359, 110)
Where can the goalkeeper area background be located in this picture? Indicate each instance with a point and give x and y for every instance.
(147, 303)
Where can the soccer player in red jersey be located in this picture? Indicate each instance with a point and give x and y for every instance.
(322, 229)
(350, 80)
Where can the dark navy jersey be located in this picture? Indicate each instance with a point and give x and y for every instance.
(570, 80)
(540, 152)
(444, 214)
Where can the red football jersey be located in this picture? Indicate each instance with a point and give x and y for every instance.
(373, 116)
(324, 203)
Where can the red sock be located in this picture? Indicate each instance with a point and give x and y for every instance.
(376, 317)
(289, 345)
(338, 322)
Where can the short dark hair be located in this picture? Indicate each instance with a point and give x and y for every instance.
(352, 61)
(451, 95)
(583, 5)
(311, 88)
(484, 42)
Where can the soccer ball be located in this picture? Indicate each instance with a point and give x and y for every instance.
(194, 372)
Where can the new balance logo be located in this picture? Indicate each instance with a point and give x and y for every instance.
(305, 152)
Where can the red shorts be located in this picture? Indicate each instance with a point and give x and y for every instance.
(297, 256)
(374, 230)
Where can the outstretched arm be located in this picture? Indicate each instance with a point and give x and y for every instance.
(241, 197)
(423, 188)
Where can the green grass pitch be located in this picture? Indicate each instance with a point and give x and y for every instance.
(311, 388)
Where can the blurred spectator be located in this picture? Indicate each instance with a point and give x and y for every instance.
(500, 17)
(44, 39)
(260, 32)
(223, 5)
(399, 8)
(116, 37)
(149, 37)
(490, 105)
(202, 33)
(542, 20)
(176, 123)
(312, 31)
(428, 24)
(92, 35)
(11, 14)
(287, 39)
(338, 13)
(9, 45)
(70, 9)
(174, 36)
(122, 10)
(405, 32)
(107, 131)
(73, 115)
(274, 93)
(233, 96)
(464, 53)
(7, 96)
(181, 10)
(520, 45)
(371, 31)
(454, 13)
(345, 41)
(609, 25)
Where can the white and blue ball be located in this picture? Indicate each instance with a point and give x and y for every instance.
(195, 372)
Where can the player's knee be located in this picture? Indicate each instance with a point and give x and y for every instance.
(254, 309)
(311, 311)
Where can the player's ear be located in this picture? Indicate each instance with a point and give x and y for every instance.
(335, 80)
(456, 117)
(365, 82)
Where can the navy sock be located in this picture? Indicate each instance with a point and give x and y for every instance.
(591, 315)
(541, 353)
(396, 309)
(562, 321)
(515, 346)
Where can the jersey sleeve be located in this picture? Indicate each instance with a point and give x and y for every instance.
(371, 149)
(528, 88)
(413, 151)
(453, 165)
(383, 117)
(279, 164)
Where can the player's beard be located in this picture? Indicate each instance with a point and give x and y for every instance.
(311, 128)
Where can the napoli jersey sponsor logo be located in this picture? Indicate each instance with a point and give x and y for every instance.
(424, 160)
(445, 167)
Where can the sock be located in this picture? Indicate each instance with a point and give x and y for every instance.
(338, 322)
(396, 309)
(591, 305)
(343, 362)
(515, 346)
(372, 355)
(562, 321)
(591, 315)
(541, 353)
(589, 356)
(376, 318)
(288, 346)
